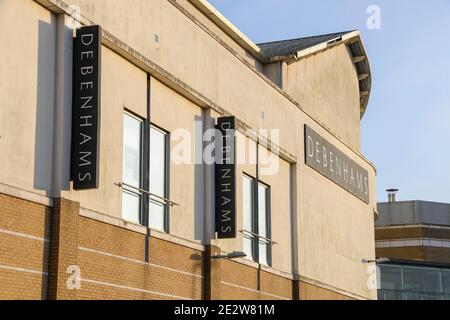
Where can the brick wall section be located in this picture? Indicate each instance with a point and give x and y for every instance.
(35, 240)
(23, 259)
(311, 292)
(276, 285)
(112, 262)
(242, 282)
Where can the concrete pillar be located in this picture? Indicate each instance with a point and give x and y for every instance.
(63, 257)
(209, 186)
(63, 107)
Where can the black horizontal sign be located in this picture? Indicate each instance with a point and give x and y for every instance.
(86, 108)
(226, 179)
(335, 165)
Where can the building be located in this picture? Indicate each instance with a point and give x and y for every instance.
(101, 199)
(414, 235)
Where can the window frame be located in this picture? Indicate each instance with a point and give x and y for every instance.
(166, 174)
(141, 195)
(252, 214)
(144, 171)
(268, 214)
(256, 240)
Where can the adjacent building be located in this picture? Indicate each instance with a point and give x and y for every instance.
(107, 190)
(415, 236)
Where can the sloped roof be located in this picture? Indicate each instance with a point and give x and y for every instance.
(301, 48)
(292, 46)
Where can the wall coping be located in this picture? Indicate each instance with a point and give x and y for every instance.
(26, 195)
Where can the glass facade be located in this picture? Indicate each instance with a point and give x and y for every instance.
(409, 282)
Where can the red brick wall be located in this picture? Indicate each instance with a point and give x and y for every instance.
(24, 228)
(242, 282)
(311, 292)
(39, 244)
(116, 258)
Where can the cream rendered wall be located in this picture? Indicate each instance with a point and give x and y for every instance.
(27, 95)
(193, 56)
(335, 229)
(280, 214)
(170, 111)
(327, 86)
(222, 35)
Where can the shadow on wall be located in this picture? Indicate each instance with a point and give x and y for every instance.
(53, 127)
(199, 180)
(45, 102)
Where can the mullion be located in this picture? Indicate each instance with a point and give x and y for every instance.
(145, 173)
(167, 183)
(268, 225)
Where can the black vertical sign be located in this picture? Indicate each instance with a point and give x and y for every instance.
(86, 108)
(226, 178)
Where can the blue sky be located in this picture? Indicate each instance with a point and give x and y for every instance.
(406, 129)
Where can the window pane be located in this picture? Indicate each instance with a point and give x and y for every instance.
(446, 281)
(432, 280)
(391, 277)
(131, 206)
(132, 135)
(421, 279)
(157, 162)
(157, 215)
(158, 170)
(262, 222)
(389, 295)
(421, 296)
(247, 201)
(132, 142)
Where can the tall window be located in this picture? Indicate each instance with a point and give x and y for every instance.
(256, 220)
(158, 179)
(138, 162)
(132, 171)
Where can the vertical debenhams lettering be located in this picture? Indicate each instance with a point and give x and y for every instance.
(226, 178)
(86, 108)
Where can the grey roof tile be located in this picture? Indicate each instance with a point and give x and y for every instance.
(292, 46)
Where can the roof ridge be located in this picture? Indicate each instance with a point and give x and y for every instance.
(308, 37)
